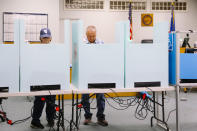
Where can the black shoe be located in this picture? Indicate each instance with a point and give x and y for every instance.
(36, 125)
(51, 123)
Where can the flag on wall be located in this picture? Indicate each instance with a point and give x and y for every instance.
(130, 19)
(172, 23)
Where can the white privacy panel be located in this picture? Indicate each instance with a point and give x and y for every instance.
(9, 67)
(45, 64)
(97, 63)
(147, 62)
(101, 64)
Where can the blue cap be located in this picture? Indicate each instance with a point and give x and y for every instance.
(45, 32)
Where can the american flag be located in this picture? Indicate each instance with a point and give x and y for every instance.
(172, 23)
(130, 19)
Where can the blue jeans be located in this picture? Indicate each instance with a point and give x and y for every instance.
(39, 105)
(100, 106)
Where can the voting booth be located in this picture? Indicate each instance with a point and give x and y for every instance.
(45, 66)
(97, 65)
(146, 65)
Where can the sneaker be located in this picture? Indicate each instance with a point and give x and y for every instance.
(102, 122)
(87, 121)
(36, 125)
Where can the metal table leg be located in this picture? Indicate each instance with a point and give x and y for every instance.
(72, 118)
(62, 111)
(163, 110)
(77, 116)
(177, 109)
(160, 122)
(154, 110)
(58, 124)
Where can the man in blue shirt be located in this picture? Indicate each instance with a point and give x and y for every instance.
(39, 102)
(91, 39)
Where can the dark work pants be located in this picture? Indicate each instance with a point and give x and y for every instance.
(39, 105)
(100, 106)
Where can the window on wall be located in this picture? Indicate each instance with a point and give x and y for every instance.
(124, 5)
(34, 22)
(166, 5)
(84, 4)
